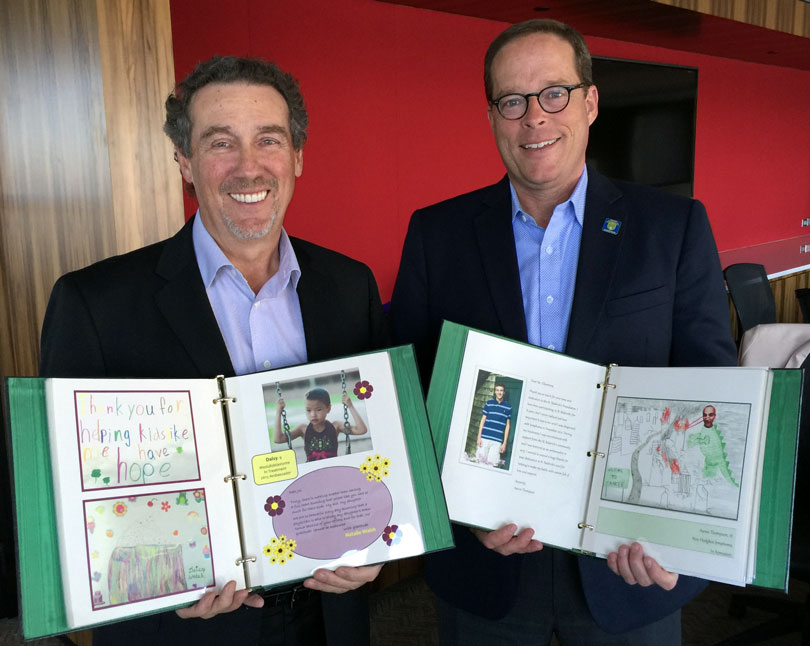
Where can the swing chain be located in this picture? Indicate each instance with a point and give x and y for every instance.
(347, 427)
(285, 423)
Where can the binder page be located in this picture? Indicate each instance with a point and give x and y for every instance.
(314, 496)
(682, 450)
(145, 519)
(523, 421)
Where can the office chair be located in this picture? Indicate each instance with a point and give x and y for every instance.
(751, 294)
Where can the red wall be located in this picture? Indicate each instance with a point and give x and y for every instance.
(397, 113)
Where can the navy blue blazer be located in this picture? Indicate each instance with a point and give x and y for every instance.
(146, 314)
(651, 295)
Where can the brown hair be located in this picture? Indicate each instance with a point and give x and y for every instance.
(582, 57)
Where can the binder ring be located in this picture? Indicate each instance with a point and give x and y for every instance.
(584, 526)
(249, 559)
(225, 400)
(598, 454)
(238, 476)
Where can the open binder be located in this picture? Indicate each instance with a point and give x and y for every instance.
(697, 464)
(134, 496)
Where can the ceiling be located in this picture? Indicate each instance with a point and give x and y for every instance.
(646, 22)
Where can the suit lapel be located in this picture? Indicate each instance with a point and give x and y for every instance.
(184, 303)
(496, 247)
(598, 253)
(315, 291)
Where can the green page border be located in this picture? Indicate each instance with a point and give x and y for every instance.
(42, 607)
(444, 383)
(778, 479)
(427, 483)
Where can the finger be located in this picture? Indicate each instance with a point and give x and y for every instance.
(497, 538)
(505, 542)
(213, 604)
(623, 565)
(343, 579)
(254, 601)
(612, 562)
(635, 560)
(199, 608)
(666, 579)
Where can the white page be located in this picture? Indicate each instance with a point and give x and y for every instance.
(332, 512)
(685, 491)
(145, 518)
(543, 480)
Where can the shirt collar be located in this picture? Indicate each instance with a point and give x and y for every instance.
(211, 259)
(577, 199)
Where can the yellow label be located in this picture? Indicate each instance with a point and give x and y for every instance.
(274, 467)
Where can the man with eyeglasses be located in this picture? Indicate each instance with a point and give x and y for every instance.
(557, 255)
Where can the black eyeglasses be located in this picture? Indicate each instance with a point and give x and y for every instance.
(552, 99)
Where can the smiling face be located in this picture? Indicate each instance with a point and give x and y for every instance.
(544, 154)
(316, 412)
(243, 164)
(499, 393)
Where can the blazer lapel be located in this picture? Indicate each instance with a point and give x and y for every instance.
(185, 305)
(496, 247)
(314, 291)
(598, 253)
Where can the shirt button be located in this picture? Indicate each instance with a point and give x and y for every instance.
(549, 299)
(267, 364)
(551, 346)
(549, 250)
(257, 303)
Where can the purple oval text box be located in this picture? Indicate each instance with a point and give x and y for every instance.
(317, 506)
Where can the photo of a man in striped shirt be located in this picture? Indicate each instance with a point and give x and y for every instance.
(493, 431)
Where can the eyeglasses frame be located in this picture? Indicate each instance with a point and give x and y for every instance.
(569, 88)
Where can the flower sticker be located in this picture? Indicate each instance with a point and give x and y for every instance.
(119, 508)
(280, 550)
(199, 495)
(274, 506)
(392, 535)
(363, 390)
(375, 467)
(165, 506)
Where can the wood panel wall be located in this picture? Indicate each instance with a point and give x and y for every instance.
(85, 170)
(789, 16)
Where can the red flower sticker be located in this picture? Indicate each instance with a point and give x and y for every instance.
(363, 390)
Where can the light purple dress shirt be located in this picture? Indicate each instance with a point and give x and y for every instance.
(261, 331)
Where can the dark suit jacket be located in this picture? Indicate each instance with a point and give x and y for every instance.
(652, 295)
(146, 314)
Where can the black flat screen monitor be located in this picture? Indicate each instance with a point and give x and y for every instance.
(645, 130)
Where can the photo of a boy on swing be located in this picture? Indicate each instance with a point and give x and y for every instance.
(302, 409)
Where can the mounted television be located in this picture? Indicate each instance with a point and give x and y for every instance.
(645, 130)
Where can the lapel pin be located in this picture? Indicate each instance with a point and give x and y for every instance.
(611, 226)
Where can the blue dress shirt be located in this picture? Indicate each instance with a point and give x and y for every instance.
(547, 262)
(263, 330)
